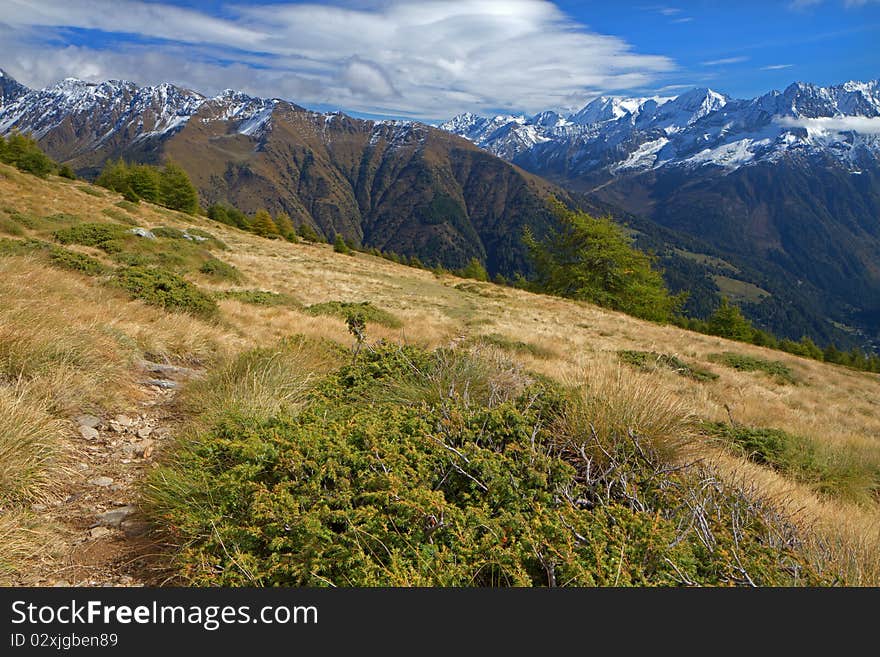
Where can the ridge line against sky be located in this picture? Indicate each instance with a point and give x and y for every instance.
(431, 59)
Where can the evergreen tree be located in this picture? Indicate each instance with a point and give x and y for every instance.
(592, 259)
(340, 246)
(728, 322)
(177, 191)
(114, 176)
(308, 233)
(25, 154)
(66, 172)
(263, 225)
(475, 270)
(285, 227)
(145, 181)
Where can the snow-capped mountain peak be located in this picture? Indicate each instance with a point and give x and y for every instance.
(103, 111)
(701, 127)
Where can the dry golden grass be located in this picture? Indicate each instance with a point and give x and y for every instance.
(835, 407)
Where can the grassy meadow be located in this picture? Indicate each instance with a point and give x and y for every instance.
(794, 442)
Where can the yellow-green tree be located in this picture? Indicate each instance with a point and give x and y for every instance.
(592, 259)
(263, 225)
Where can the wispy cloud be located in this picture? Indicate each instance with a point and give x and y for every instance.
(776, 67)
(686, 19)
(423, 58)
(725, 61)
(862, 124)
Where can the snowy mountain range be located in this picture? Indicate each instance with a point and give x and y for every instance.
(782, 190)
(613, 136)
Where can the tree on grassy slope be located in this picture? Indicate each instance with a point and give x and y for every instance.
(592, 259)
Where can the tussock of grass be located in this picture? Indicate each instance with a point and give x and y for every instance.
(260, 383)
(30, 448)
(610, 402)
(650, 360)
(23, 537)
(778, 370)
(344, 309)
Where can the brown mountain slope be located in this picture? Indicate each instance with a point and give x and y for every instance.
(402, 187)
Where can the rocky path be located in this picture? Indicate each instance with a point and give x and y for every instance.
(104, 539)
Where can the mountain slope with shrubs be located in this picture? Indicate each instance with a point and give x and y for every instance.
(346, 420)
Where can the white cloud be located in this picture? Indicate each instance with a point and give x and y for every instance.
(425, 58)
(776, 67)
(862, 124)
(726, 60)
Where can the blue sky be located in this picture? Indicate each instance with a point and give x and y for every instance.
(430, 59)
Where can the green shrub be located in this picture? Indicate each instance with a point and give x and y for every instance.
(259, 298)
(344, 309)
(127, 205)
(64, 259)
(651, 360)
(91, 191)
(66, 172)
(218, 269)
(780, 372)
(516, 346)
(834, 471)
(307, 233)
(25, 220)
(118, 215)
(167, 232)
(91, 234)
(159, 287)
(349, 487)
(10, 247)
(11, 227)
(340, 246)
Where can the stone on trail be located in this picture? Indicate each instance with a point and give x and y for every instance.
(114, 517)
(89, 433)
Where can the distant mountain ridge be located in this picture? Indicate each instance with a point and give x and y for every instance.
(787, 183)
(701, 127)
(396, 185)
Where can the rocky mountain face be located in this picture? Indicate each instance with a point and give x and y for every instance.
(786, 185)
(399, 186)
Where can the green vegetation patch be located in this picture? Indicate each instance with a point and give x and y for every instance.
(119, 215)
(416, 468)
(831, 470)
(9, 247)
(516, 346)
(780, 372)
(91, 191)
(216, 268)
(127, 205)
(57, 256)
(79, 262)
(651, 360)
(259, 298)
(163, 288)
(345, 309)
(92, 234)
